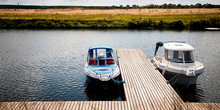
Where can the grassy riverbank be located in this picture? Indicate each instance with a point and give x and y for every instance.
(109, 20)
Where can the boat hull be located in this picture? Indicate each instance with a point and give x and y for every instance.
(186, 77)
(100, 83)
(182, 80)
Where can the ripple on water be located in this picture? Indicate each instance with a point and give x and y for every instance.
(48, 65)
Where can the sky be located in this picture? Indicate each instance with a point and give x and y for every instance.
(105, 2)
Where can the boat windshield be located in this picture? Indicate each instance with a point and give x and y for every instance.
(188, 56)
(179, 56)
(92, 54)
(100, 54)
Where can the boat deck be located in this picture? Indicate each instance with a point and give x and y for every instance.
(145, 89)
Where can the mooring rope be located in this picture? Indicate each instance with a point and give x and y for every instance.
(115, 81)
(169, 82)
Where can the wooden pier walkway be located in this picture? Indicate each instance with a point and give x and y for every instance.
(145, 89)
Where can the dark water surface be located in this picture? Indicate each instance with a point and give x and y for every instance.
(48, 64)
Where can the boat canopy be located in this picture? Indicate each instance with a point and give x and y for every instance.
(100, 55)
(178, 46)
(173, 45)
(179, 56)
(99, 47)
(100, 52)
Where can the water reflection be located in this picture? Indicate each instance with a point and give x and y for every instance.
(98, 92)
(193, 94)
(48, 64)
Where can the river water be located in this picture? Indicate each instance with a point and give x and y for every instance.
(48, 65)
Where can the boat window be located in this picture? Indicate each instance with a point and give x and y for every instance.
(188, 56)
(92, 54)
(166, 54)
(175, 56)
(101, 53)
(109, 53)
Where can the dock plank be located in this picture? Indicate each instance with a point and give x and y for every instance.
(134, 62)
(135, 85)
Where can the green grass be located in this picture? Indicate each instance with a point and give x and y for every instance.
(189, 21)
(169, 18)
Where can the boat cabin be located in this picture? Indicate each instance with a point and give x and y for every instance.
(176, 51)
(100, 55)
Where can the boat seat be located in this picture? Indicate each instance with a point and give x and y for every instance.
(109, 62)
(92, 62)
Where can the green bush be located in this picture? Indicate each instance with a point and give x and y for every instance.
(176, 25)
(96, 24)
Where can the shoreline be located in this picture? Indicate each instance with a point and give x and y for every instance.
(192, 19)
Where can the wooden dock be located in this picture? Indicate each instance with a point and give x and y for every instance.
(145, 89)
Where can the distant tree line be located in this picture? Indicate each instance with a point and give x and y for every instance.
(51, 7)
(166, 6)
(169, 6)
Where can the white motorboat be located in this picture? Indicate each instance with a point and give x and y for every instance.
(177, 62)
(100, 66)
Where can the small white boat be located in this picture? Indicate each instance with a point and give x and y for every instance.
(177, 63)
(100, 66)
